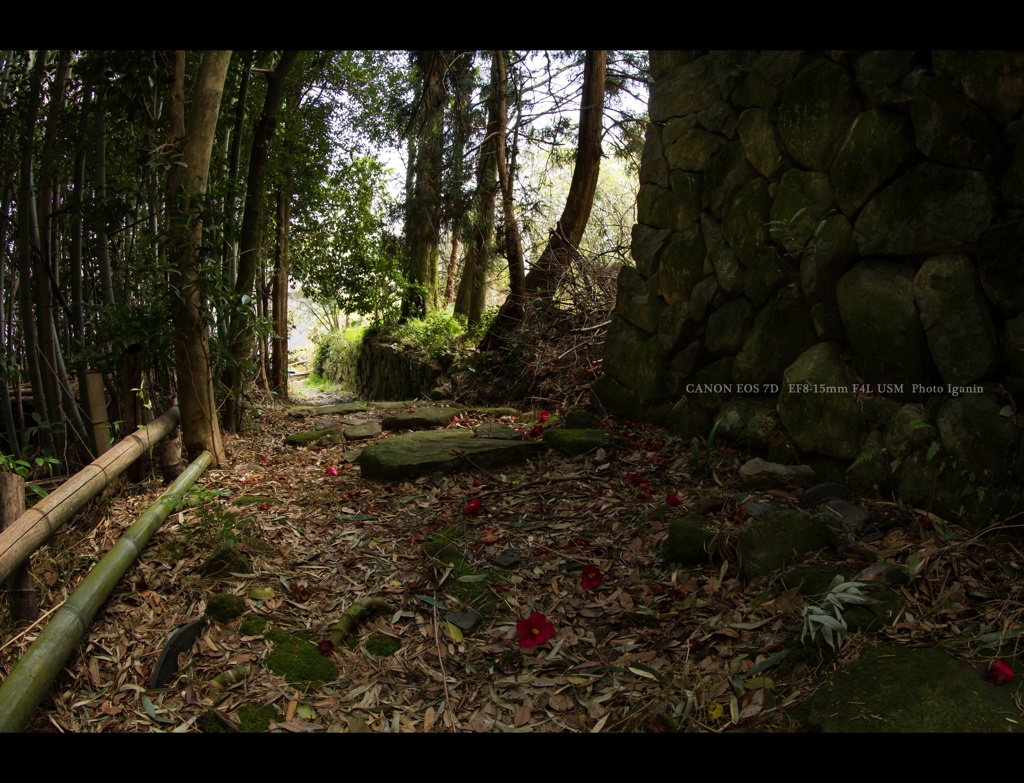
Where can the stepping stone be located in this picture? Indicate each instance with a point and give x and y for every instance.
(362, 431)
(415, 454)
(573, 443)
(502, 431)
(327, 410)
(420, 419)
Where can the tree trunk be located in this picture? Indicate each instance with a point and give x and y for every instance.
(423, 213)
(20, 588)
(279, 359)
(240, 335)
(544, 275)
(472, 298)
(200, 429)
(25, 208)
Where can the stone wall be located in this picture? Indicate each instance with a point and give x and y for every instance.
(389, 370)
(828, 261)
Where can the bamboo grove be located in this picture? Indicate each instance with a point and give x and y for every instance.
(155, 207)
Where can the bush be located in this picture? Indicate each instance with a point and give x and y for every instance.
(438, 333)
(336, 356)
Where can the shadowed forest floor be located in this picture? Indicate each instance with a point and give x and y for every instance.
(643, 647)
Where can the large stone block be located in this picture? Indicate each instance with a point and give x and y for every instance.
(817, 109)
(653, 165)
(745, 220)
(880, 143)
(1001, 266)
(876, 304)
(949, 129)
(635, 301)
(817, 405)
(688, 89)
(726, 172)
(781, 332)
(728, 327)
(803, 200)
(647, 246)
(929, 209)
(633, 358)
(956, 319)
(762, 144)
(690, 148)
(682, 265)
(827, 257)
(888, 76)
(663, 208)
(992, 79)
(978, 437)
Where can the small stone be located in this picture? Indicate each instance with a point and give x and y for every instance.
(761, 473)
(848, 517)
(508, 559)
(467, 621)
(819, 493)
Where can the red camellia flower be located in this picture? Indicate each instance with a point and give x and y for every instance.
(536, 432)
(592, 576)
(473, 508)
(672, 499)
(543, 415)
(999, 672)
(534, 630)
(331, 471)
(326, 647)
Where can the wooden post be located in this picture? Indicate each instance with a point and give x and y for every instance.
(97, 410)
(20, 587)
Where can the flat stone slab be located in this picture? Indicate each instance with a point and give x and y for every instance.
(501, 431)
(328, 410)
(903, 689)
(362, 431)
(414, 454)
(760, 473)
(420, 419)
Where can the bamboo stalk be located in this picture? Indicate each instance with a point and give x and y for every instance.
(31, 529)
(36, 670)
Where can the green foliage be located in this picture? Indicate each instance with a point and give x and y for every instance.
(826, 623)
(336, 356)
(24, 468)
(344, 254)
(800, 229)
(438, 333)
(701, 460)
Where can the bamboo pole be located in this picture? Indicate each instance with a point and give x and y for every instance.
(31, 529)
(36, 670)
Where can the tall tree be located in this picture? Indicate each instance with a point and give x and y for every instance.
(565, 238)
(472, 297)
(240, 335)
(200, 428)
(423, 211)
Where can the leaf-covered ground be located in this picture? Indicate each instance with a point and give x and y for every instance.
(641, 646)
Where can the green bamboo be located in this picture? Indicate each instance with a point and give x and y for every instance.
(32, 676)
(31, 530)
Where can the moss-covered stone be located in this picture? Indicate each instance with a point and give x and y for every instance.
(950, 129)
(382, 646)
(688, 541)
(724, 175)
(579, 419)
(225, 560)
(803, 200)
(894, 688)
(745, 219)
(780, 333)
(766, 545)
(310, 436)
(999, 264)
(224, 607)
(817, 109)
(879, 145)
(575, 442)
(762, 143)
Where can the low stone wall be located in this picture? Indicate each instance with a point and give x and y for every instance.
(828, 262)
(389, 370)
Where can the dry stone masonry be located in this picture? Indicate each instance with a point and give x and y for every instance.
(828, 261)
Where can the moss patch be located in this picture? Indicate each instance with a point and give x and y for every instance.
(299, 661)
(223, 607)
(256, 718)
(382, 646)
(253, 625)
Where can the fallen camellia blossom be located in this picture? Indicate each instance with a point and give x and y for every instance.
(592, 576)
(536, 431)
(326, 647)
(534, 630)
(332, 471)
(473, 508)
(999, 672)
(672, 499)
(543, 416)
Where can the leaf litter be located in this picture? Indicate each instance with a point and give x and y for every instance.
(645, 647)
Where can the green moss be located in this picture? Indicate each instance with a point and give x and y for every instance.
(382, 646)
(299, 661)
(253, 625)
(444, 545)
(256, 718)
(224, 608)
(209, 723)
